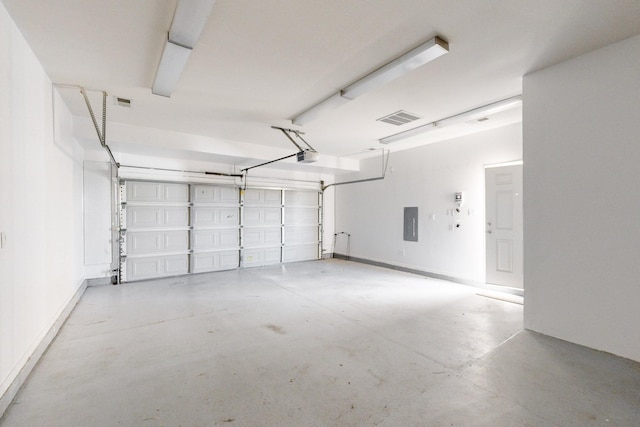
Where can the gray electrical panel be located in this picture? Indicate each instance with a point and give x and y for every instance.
(411, 224)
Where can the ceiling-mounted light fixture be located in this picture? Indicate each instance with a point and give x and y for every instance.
(188, 22)
(173, 60)
(408, 133)
(466, 116)
(398, 67)
(480, 112)
(332, 102)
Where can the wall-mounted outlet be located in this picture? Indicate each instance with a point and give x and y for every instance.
(3, 239)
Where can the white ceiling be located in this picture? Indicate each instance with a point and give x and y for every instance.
(260, 63)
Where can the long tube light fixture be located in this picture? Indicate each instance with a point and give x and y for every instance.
(398, 67)
(188, 22)
(332, 102)
(466, 116)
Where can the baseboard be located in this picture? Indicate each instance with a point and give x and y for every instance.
(19, 380)
(100, 281)
(513, 291)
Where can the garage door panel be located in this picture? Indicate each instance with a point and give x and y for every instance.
(215, 261)
(144, 242)
(156, 192)
(215, 194)
(176, 193)
(300, 198)
(157, 216)
(260, 257)
(144, 191)
(273, 216)
(255, 237)
(229, 260)
(216, 239)
(273, 197)
(176, 216)
(139, 242)
(303, 234)
(272, 236)
(301, 216)
(203, 193)
(176, 240)
(251, 216)
(261, 197)
(144, 267)
(214, 216)
(143, 216)
(175, 265)
(300, 253)
(262, 216)
(156, 266)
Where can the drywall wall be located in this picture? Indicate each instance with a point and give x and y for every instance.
(581, 228)
(426, 177)
(97, 219)
(40, 204)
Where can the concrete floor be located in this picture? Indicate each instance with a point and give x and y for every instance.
(328, 343)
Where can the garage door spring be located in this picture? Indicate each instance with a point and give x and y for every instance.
(102, 135)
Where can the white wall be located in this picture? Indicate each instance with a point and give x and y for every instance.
(40, 204)
(98, 219)
(581, 202)
(426, 177)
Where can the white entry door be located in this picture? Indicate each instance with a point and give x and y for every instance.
(503, 192)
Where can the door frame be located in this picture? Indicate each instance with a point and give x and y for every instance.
(505, 288)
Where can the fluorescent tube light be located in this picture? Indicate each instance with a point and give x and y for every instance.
(480, 112)
(189, 20)
(466, 116)
(408, 133)
(400, 66)
(174, 58)
(334, 101)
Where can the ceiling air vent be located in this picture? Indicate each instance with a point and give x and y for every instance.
(399, 118)
(122, 102)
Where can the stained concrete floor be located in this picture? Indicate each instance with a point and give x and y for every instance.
(326, 343)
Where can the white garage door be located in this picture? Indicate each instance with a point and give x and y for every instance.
(262, 227)
(172, 229)
(216, 228)
(154, 220)
(301, 225)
